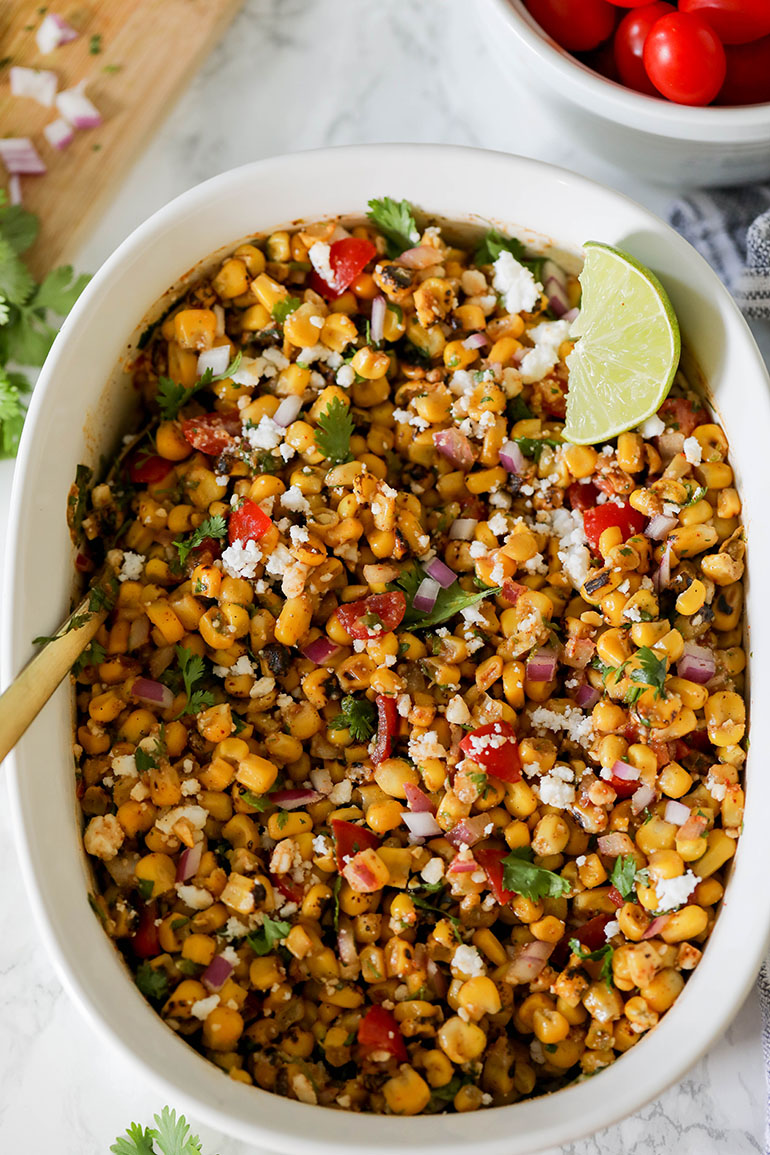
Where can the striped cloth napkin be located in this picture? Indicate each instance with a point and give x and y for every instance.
(731, 229)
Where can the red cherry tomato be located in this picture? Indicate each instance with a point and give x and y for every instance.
(582, 495)
(145, 942)
(377, 614)
(249, 523)
(628, 520)
(629, 41)
(591, 933)
(379, 1031)
(350, 839)
(491, 862)
(684, 59)
(347, 257)
(603, 61)
(495, 749)
(212, 432)
(681, 416)
(734, 21)
(387, 728)
(577, 25)
(147, 468)
(748, 74)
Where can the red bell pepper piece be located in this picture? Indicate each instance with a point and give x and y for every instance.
(627, 519)
(293, 891)
(145, 942)
(681, 416)
(490, 859)
(494, 748)
(387, 728)
(347, 257)
(212, 432)
(147, 468)
(379, 1031)
(591, 934)
(582, 495)
(370, 617)
(350, 839)
(248, 523)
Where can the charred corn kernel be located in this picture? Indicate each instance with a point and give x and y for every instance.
(470, 317)
(630, 452)
(691, 600)
(232, 279)
(456, 356)
(725, 715)
(503, 350)
(304, 326)
(581, 460)
(287, 825)
(406, 1093)
(165, 620)
(609, 539)
(255, 318)
(479, 996)
(486, 480)
(674, 780)
(686, 923)
(338, 331)
(550, 1026)
(714, 475)
(722, 569)
(608, 717)
(264, 972)
(550, 836)
(491, 946)
(215, 723)
(294, 620)
(267, 291)
(648, 633)
(256, 774)
(728, 503)
(461, 1042)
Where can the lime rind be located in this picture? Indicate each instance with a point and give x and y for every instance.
(625, 360)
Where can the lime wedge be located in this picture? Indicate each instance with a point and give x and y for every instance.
(627, 354)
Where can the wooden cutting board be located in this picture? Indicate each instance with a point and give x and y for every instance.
(136, 56)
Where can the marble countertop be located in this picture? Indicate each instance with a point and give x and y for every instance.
(291, 75)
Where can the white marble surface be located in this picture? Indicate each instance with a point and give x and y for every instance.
(298, 74)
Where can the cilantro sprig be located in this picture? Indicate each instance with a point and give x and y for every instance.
(651, 672)
(169, 1136)
(335, 428)
(448, 602)
(152, 982)
(282, 309)
(193, 668)
(495, 243)
(358, 715)
(522, 876)
(604, 953)
(271, 932)
(395, 220)
(624, 874)
(171, 396)
(215, 527)
(533, 446)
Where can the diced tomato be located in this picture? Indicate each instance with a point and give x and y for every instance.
(473, 507)
(616, 897)
(387, 728)
(582, 495)
(512, 591)
(495, 749)
(249, 523)
(146, 943)
(350, 839)
(212, 432)
(624, 787)
(348, 257)
(681, 415)
(377, 614)
(591, 934)
(628, 520)
(291, 890)
(379, 1031)
(147, 468)
(490, 859)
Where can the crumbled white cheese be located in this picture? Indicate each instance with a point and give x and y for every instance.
(197, 817)
(611, 929)
(427, 745)
(104, 837)
(539, 361)
(554, 791)
(267, 435)
(403, 705)
(346, 375)
(132, 567)
(673, 892)
(124, 766)
(473, 615)
(203, 1008)
(652, 427)
(536, 564)
(457, 711)
(240, 560)
(578, 726)
(295, 500)
(433, 871)
(195, 896)
(320, 259)
(190, 786)
(498, 524)
(516, 284)
(319, 353)
(299, 534)
(692, 450)
(468, 960)
(573, 552)
(716, 789)
(341, 793)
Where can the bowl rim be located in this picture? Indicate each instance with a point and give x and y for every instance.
(613, 101)
(528, 1126)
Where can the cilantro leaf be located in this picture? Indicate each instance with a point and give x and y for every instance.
(172, 396)
(258, 801)
(651, 670)
(523, 877)
(336, 895)
(533, 446)
(16, 282)
(359, 715)
(493, 244)
(395, 220)
(517, 410)
(448, 602)
(604, 953)
(215, 527)
(152, 982)
(92, 655)
(172, 1136)
(60, 290)
(282, 309)
(272, 931)
(335, 428)
(623, 875)
(18, 226)
(193, 668)
(137, 1141)
(145, 886)
(12, 413)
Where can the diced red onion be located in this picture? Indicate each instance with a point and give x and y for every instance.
(417, 800)
(346, 946)
(468, 831)
(476, 341)
(661, 579)
(293, 799)
(20, 156)
(219, 313)
(529, 962)
(320, 650)
(660, 526)
(542, 665)
(14, 189)
(462, 865)
(625, 772)
(52, 32)
(555, 286)
(427, 592)
(656, 926)
(441, 573)
(512, 459)
(37, 83)
(75, 107)
(216, 359)
(422, 824)
(519, 356)
(462, 529)
(59, 134)
(676, 812)
(614, 844)
(571, 315)
(697, 664)
(455, 446)
(217, 973)
(377, 320)
(189, 862)
(587, 696)
(152, 693)
(420, 257)
(642, 798)
(139, 632)
(122, 868)
(287, 411)
(436, 978)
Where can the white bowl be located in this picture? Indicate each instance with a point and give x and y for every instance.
(74, 417)
(668, 143)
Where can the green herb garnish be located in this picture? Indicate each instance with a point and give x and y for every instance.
(282, 309)
(623, 875)
(604, 953)
(272, 931)
(152, 982)
(533, 446)
(169, 1136)
(358, 715)
(193, 668)
(522, 876)
(215, 527)
(171, 396)
(448, 603)
(395, 220)
(335, 428)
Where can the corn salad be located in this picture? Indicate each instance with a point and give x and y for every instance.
(409, 753)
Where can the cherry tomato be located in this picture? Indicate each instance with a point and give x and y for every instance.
(495, 749)
(147, 468)
(387, 728)
(681, 415)
(628, 520)
(490, 860)
(379, 1031)
(377, 614)
(629, 45)
(628, 3)
(591, 933)
(347, 257)
(734, 21)
(211, 433)
(350, 839)
(577, 25)
(145, 942)
(748, 74)
(603, 61)
(249, 523)
(684, 59)
(582, 495)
